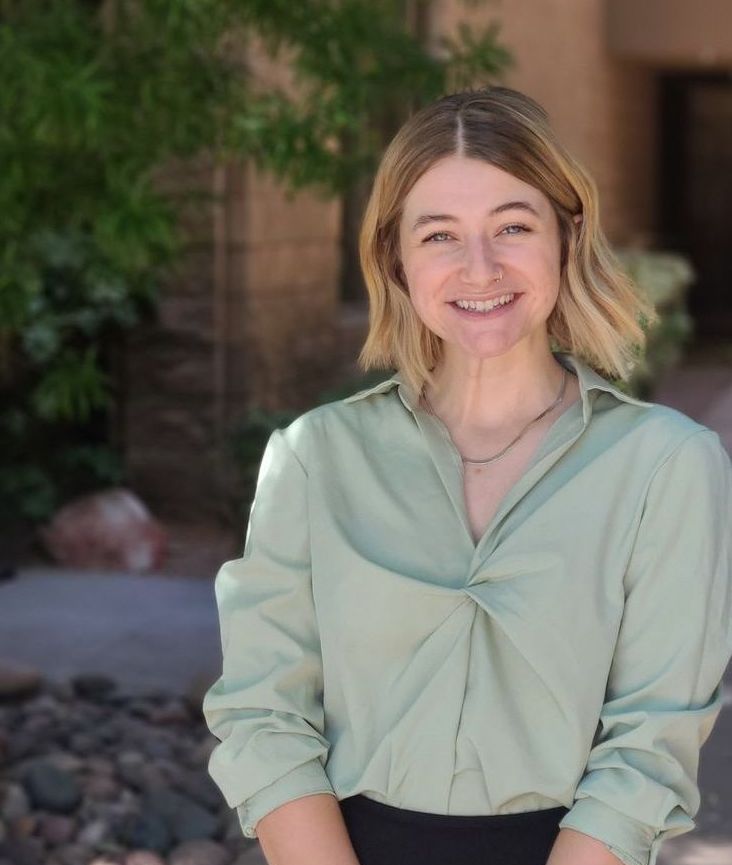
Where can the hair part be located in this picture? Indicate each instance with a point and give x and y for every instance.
(599, 308)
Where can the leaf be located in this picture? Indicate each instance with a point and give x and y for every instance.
(72, 388)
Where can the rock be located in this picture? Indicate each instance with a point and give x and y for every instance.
(173, 713)
(246, 858)
(56, 829)
(84, 782)
(47, 702)
(145, 830)
(60, 691)
(15, 803)
(21, 744)
(24, 826)
(185, 819)
(131, 769)
(73, 854)
(101, 788)
(18, 680)
(111, 529)
(65, 760)
(158, 749)
(142, 857)
(83, 743)
(199, 852)
(94, 833)
(92, 686)
(51, 788)
(100, 765)
(22, 851)
(201, 788)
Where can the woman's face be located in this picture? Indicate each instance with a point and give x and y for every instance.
(463, 222)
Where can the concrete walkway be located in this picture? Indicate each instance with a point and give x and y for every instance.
(146, 632)
(161, 632)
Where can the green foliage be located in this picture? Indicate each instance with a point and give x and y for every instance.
(359, 72)
(97, 97)
(664, 277)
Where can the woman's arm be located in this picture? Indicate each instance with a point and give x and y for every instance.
(307, 831)
(266, 707)
(664, 689)
(576, 848)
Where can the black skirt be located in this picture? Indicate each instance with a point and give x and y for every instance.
(384, 835)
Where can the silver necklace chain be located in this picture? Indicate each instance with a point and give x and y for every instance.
(546, 411)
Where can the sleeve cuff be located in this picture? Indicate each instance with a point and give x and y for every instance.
(634, 843)
(303, 780)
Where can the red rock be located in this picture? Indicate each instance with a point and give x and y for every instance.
(108, 530)
(143, 857)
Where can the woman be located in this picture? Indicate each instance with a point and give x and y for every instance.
(483, 609)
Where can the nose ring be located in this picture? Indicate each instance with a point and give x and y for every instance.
(499, 277)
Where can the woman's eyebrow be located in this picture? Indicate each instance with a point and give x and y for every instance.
(426, 218)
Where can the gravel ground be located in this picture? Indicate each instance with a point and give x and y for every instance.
(91, 775)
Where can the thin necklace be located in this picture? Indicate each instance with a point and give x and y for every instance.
(559, 398)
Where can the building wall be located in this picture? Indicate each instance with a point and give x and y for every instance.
(250, 319)
(603, 108)
(282, 273)
(672, 33)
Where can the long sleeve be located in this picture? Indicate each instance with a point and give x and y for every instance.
(266, 707)
(664, 689)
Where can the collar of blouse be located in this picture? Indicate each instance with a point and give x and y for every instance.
(589, 380)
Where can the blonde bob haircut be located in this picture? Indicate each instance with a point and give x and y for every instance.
(599, 312)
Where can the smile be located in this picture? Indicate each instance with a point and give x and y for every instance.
(483, 309)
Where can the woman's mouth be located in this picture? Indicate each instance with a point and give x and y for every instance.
(478, 310)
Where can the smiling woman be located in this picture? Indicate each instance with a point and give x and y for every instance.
(446, 640)
(476, 190)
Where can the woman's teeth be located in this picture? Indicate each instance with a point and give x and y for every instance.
(484, 305)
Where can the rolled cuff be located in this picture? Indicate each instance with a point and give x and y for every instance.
(303, 780)
(634, 843)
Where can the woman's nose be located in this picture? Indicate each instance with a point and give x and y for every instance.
(479, 265)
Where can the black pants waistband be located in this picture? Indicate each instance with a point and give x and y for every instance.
(406, 815)
(386, 835)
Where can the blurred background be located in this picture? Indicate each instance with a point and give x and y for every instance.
(181, 190)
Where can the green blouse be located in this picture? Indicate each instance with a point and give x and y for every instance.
(573, 656)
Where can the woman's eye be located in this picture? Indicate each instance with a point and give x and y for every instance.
(523, 228)
(436, 234)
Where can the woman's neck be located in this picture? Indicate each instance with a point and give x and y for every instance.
(489, 396)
